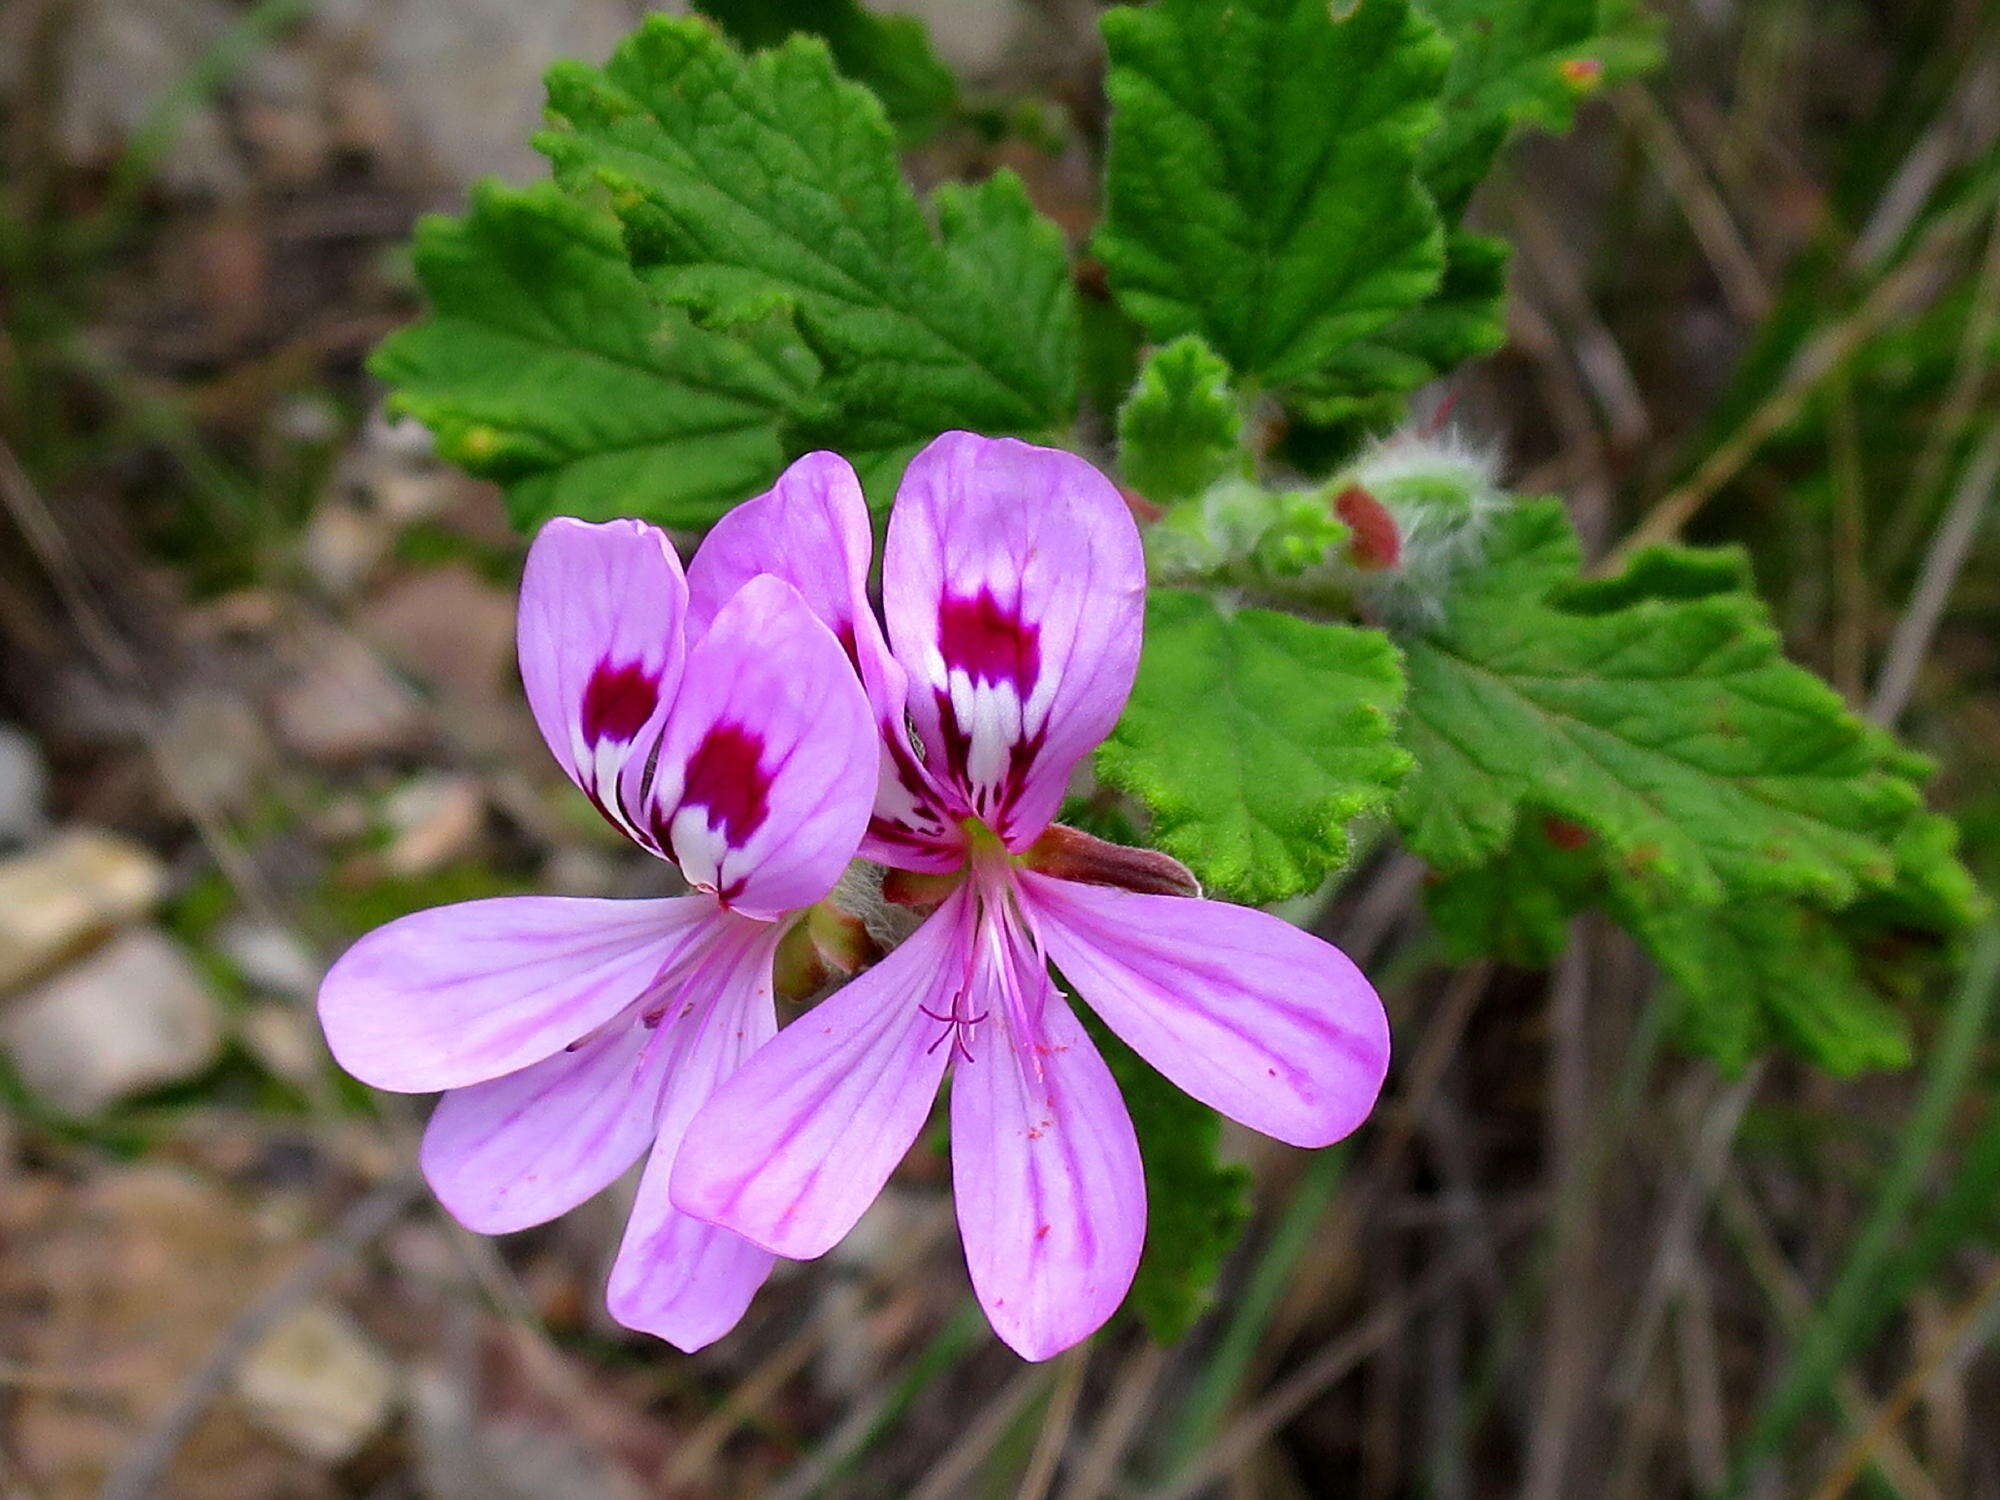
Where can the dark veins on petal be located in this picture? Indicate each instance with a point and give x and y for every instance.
(726, 775)
(989, 642)
(618, 700)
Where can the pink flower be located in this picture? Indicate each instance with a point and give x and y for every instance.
(570, 1035)
(1013, 589)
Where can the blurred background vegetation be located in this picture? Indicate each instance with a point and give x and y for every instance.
(257, 695)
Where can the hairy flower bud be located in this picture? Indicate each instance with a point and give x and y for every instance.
(1420, 507)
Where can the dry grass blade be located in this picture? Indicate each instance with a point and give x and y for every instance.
(1057, 1425)
(1962, 1332)
(1949, 548)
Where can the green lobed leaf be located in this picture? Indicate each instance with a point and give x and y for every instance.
(891, 55)
(1818, 967)
(1518, 905)
(1756, 971)
(1366, 384)
(1673, 729)
(747, 183)
(1181, 428)
(1260, 178)
(1253, 738)
(546, 365)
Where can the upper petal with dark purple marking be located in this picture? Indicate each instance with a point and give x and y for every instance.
(602, 643)
(768, 769)
(1014, 585)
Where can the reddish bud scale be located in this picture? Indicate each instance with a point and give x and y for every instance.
(1376, 544)
(1144, 511)
(1071, 854)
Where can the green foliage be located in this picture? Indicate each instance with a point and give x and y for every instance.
(890, 54)
(1366, 384)
(1672, 729)
(1196, 1204)
(1756, 971)
(1520, 63)
(1517, 906)
(752, 184)
(546, 365)
(1764, 846)
(1181, 429)
(1253, 738)
(1261, 183)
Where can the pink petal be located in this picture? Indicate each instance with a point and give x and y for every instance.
(1014, 588)
(461, 994)
(520, 1150)
(601, 643)
(812, 530)
(768, 771)
(1045, 1169)
(1251, 1016)
(676, 1277)
(795, 1146)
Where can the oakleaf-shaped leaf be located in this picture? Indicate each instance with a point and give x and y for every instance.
(547, 365)
(1254, 738)
(1261, 175)
(1672, 729)
(1366, 384)
(744, 182)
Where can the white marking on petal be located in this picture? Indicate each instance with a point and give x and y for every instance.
(699, 846)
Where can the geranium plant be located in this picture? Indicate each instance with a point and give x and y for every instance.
(1294, 612)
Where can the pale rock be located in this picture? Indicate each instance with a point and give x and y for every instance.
(434, 820)
(56, 899)
(24, 788)
(132, 1016)
(448, 627)
(318, 1381)
(346, 706)
(285, 1041)
(270, 957)
(218, 747)
(343, 546)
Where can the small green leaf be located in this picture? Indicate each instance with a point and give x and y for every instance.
(546, 365)
(746, 183)
(1181, 429)
(1196, 1204)
(889, 54)
(1253, 738)
(1672, 729)
(1261, 174)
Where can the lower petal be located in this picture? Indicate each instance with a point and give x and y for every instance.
(462, 994)
(1050, 1191)
(1268, 1024)
(520, 1150)
(676, 1277)
(795, 1146)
